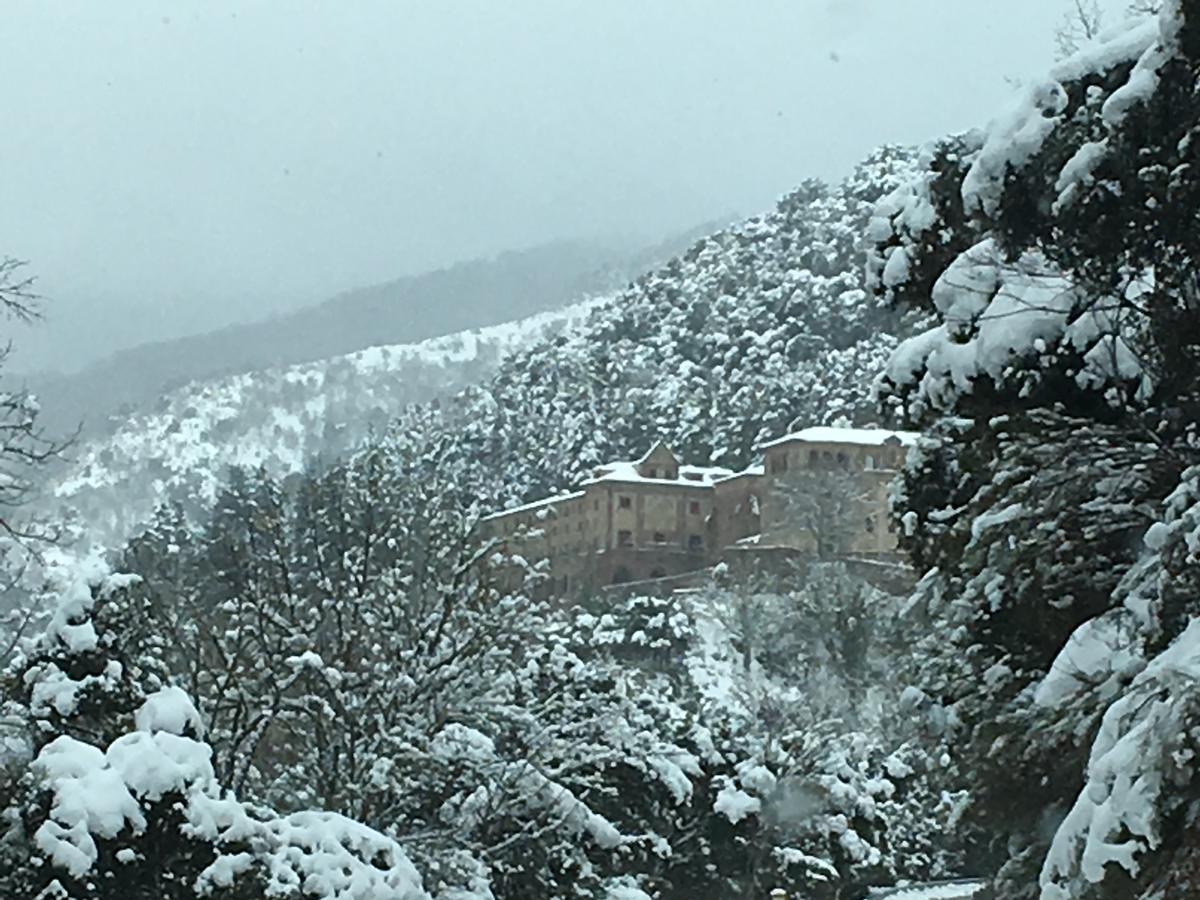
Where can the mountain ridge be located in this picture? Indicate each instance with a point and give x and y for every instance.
(467, 295)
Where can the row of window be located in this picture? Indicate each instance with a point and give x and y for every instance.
(626, 502)
(671, 474)
(827, 459)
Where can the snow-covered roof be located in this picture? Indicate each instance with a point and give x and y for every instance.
(874, 437)
(944, 890)
(655, 447)
(748, 472)
(536, 504)
(624, 471)
(704, 473)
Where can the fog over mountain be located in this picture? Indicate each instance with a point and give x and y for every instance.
(182, 168)
(464, 296)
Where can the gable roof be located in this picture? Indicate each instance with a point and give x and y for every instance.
(657, 451)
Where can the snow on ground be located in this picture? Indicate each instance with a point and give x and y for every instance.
(950, 890)
(278, 418)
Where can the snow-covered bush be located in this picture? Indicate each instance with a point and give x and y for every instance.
(794, 767)
(119, 799)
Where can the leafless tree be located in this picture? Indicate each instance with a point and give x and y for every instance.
(1080, 24)
(818, 509)
(25, 451)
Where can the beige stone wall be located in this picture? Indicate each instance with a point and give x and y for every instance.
(812, 454)
(659, 515)
(735, 501)
(616, 530)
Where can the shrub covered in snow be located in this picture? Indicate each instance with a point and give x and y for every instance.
(119, 799)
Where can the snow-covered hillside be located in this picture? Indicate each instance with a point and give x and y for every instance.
(277, 418)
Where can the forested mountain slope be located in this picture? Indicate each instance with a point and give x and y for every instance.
(278, 419)
(1030, 715)
(649, 748)
(756, 328)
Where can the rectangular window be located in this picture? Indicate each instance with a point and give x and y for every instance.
(659, 537)
(624, 538)
(652, 472)
(695, 543)
(625, 502)
(870, 524)
(694, 507)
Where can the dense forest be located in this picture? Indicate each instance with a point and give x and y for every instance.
(308, 677)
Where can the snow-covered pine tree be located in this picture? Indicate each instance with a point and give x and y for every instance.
(1059, 386)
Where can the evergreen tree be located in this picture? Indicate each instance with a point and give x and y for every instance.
(1059, 386)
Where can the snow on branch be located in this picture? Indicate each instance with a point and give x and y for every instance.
(1139, 757)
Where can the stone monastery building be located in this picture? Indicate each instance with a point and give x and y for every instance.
(820, 491)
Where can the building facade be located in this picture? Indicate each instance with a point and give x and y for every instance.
(631, 521)
(821, 491)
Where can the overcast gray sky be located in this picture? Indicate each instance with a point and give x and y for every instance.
(173, 166)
